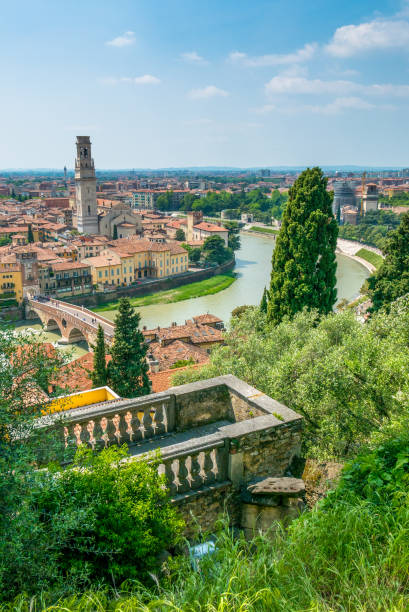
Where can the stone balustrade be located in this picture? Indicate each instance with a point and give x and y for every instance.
(124, 422)
(193, 469)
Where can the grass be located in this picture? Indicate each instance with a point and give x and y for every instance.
(352, 555)
(263, 230)
(209, 286)
(373, 258)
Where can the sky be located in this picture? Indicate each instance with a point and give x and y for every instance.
(178, 83)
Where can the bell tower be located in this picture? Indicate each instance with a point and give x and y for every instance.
(85, 188)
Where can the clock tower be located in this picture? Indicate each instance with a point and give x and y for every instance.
(85, 188)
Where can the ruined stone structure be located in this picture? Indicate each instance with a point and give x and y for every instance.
(215, 437)
(85, 188)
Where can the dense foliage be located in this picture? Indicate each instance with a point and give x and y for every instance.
(349, 553)
(347, 379)
(99, 372)
(372, 228)
(101, 521)
(255, 202)
(128, 368)
(391, 280)
(304, 265)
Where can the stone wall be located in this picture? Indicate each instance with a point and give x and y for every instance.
(270, 452)
(202, 509)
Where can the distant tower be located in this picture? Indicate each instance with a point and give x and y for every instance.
(85, 188)
(65, 174)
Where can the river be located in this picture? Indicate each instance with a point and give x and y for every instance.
(253, 267)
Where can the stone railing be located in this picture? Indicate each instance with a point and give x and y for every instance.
(119, 422)
(212, 434)
(194, 468)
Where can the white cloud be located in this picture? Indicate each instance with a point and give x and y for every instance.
(192, 57)
(378, 34)
(146, 79)
(283, 84)
(211, 91)
(341, 104)
(263, 110)
(275, 59)
(125, 40)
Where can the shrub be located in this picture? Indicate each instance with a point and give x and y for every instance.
(103, 520)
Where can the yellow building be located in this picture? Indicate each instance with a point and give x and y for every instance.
(127, 261)
(11, 279)
(80, 399)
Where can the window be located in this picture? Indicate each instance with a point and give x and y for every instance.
(112, 272)
(100, 274)
(106, 272)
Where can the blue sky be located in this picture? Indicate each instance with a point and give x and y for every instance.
(160, 83)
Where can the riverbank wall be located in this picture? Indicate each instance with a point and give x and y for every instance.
(97, 299)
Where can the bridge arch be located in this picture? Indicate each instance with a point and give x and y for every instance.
(52, 325)
(76, 335)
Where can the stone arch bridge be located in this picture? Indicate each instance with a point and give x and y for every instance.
(75, 323)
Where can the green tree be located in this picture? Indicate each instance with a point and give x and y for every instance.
(233, 235)
(128, 368)
(264, 301)
(99, 372)
(30, 236)
(165, 201)
(304, 264)
(339, 214)
(114, 516)
(180, 235)
(115, 233)
(28, 373)
(391, 280)
(215, 251)
(348, 380)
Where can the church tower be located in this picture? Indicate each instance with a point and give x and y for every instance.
(85, 188)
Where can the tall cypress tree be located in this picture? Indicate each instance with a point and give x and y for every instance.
(264, 301)
(128, 368)
(391, 280)
(115, 233)
(99, 373)
(30, 235)
(304, 264)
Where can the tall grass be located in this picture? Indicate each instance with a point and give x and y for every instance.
(344, 556)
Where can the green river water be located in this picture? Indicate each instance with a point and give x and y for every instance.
(253, 270)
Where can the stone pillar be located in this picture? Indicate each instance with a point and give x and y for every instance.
(270, 502)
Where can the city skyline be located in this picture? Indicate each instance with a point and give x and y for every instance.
(176, 86)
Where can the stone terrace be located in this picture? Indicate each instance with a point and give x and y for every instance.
(215, 436)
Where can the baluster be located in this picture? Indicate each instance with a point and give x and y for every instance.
(100, 442)
(221, 463)
(147, 423)
(170, 477)
(159, 418)
(111, 430)
(209, 475)
(90, 430)
(116, 421)
(69, 438)
(182, 476)
(195, 468)
(85, 435)
(77, 433)
(125, 427)
(136, 428)
(104, 431)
